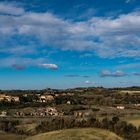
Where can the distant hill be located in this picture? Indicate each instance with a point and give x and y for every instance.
(77, 134)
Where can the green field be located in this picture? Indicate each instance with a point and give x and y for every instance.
(77, 134)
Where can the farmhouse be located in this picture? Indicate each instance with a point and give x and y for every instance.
(120, 107)
(45, 98)
(2, 96)
(9, 98)
(68, 102)
(3, 114)
(49, 98)
(83, 113)
(137, 105)
(15, 98)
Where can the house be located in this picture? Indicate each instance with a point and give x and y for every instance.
(120, 107)
(3, 114)
(83, 113)
(68, 102)
(20, 114)
(9, 98)
(137, 105)
(51, 111)
(56, 95)
(5, 97)
(78, 114)
(15, 98)
(2, 96)
(49, 98)
(45, 98)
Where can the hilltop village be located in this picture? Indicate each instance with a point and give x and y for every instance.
(49, 102)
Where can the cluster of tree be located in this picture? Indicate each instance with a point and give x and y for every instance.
(9, 126)
(121, 128)
(4, 104)
(74, 100)
(109, 99)
(137, 88)
(29, 98)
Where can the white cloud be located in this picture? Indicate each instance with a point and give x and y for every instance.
(105, 73)
(49, 66)
(105, 36)
(20, 61)
(136, 73)
(11, 9)
(130, 65)
(117, 73)
(89, 82)
(129, 1)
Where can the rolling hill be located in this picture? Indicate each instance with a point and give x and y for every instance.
(77, 134)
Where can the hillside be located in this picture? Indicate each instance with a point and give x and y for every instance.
(6, 136)
(77, 134)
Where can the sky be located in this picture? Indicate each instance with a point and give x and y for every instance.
(66, 44)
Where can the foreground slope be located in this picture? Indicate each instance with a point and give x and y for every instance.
(77, 134)
(6, 136)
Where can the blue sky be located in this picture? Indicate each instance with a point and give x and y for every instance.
(64, 44)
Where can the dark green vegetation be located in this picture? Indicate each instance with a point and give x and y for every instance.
(121, 128)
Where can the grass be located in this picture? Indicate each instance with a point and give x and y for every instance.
(135, 120)
(29, 128)
(77, 134)
(130, 91)
(5, 136)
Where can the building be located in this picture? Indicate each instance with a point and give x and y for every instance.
(68, 102)
(2, 96)
(120, 107)
(3, 114)
(15, 98)
(9, 98)
(83, 113)
(49, 98)
(45, 98)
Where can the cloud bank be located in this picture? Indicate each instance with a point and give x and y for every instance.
(106, 37)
